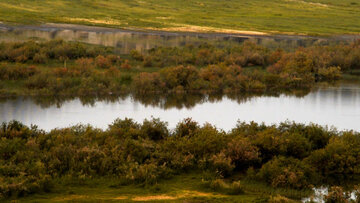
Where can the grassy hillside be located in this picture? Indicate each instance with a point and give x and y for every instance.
(271, 16)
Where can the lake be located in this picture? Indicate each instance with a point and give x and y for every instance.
(337, 106)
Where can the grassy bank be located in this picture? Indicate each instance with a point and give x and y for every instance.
(185, 187)
(316, 17)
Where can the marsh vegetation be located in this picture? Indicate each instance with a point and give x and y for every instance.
(251, 158)
(68, 68)
(251, 162)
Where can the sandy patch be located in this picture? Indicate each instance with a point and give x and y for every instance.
(164, 18)
(195, 28)
(310, 3)
(120, 198)
(155, 197)
(182, 194)
(97, 21)
(70, 197)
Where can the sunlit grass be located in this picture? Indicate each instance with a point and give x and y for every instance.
(176, 189)
(186, 187)
(289, 16)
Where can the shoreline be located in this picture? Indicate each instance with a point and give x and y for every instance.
(53, 27)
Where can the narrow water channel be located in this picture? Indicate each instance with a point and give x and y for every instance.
(332, 106)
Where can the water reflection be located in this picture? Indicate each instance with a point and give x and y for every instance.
(320, 193)
(337, 106)
(124, 40)
(163, 101)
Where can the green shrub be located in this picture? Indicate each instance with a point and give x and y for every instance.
(102, 62)
(148, 82)
(186, 128)
(242, 153)
(39, 81)
(286, 172)
(330, 73)
(40, 58)
(136, 55)
(220, 185)
(154, 129)
(338, 156)
(16, 72)
(222, 165)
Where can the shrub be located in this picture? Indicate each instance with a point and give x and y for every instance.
(154, 129)
(242, 153)
(61, 72)
(179, 76)
(186, 128)
(84, 65)
(148, 82)
(146, 174)
(113, 58)
(40, 58)
(136, 55)
(125, 128)
(286, 172)
(205, 142)
(16, 72)
(39, 81)
(126, 65)
(235, 188)
(112, 72)
(102, 62)
(147, 62)
(338, 157)
(330, 73)
(222, 165)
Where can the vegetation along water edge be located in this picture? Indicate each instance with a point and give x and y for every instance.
(132, 161)
(72, 68)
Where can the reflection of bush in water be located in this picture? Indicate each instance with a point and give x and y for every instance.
(164, 101)
(47, 101)
(170, 100)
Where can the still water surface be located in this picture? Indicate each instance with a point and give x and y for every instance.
(332, 106)
(126, 40)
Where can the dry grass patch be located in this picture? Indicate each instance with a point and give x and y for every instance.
(180, 195)
(204, 29)
(70, 198)
(154, 197)
(96, 21)
(120, 198)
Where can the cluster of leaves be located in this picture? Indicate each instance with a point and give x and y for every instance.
(288, 155)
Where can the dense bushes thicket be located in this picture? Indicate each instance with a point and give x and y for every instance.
(42, 52)
(69, 68)
(288, 155)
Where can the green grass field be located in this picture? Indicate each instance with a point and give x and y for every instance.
(312, 17)
(181, 188)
